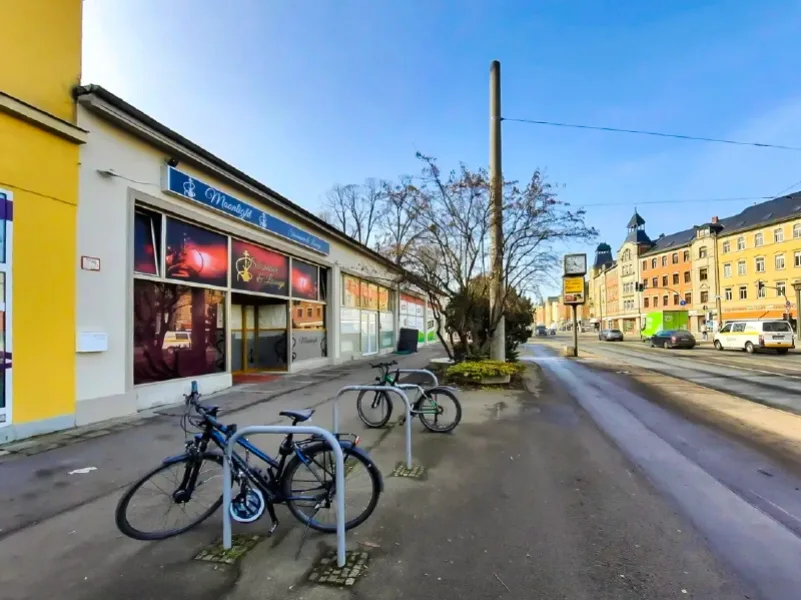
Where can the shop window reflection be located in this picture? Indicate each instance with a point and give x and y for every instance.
(179, 331)
(308, 330)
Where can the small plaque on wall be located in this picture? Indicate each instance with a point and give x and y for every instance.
(90, 263)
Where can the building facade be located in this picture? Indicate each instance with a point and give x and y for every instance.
(38, 209)
(747, 266)
(188, 269)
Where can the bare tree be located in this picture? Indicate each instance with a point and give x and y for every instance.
(354, 209)
(451, 253)
(399, 222)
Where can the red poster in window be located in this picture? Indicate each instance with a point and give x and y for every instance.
(304, 280)
(196, 254)
(257, 269)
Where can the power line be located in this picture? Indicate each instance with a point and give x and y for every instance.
(655, 133)
(683, 201)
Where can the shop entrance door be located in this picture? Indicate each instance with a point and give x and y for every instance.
(369, 328)
(258, 335)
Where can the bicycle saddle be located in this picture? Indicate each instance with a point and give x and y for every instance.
(298, 415)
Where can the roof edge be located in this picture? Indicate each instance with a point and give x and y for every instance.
(115, 101)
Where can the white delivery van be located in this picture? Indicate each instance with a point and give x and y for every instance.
(752, 336)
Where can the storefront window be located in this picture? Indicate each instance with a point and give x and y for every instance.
(256, 269)
(305, 280)
(308, 330)
(196, 255)
(350, 292)
(147, 242)
(350, 331)
(179, 331)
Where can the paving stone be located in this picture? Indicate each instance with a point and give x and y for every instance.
(326, 571)
(415, 472)
(241, 544)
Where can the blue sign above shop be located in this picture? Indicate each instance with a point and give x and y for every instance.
(186, 186)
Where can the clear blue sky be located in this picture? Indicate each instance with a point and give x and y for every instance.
(310, 93)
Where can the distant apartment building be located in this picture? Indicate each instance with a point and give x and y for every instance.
(744, 266)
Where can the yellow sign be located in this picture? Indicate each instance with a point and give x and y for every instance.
(573, 290)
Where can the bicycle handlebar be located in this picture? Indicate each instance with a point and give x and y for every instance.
(386, 365)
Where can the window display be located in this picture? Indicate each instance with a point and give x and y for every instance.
(308, 330)
(305, 282)
(179, 331)
(147, 242)
(257, 269)
(195, 254)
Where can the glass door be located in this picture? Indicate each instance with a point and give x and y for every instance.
(369, 331)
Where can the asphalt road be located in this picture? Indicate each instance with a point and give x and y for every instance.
(769, 379)
(580, 489)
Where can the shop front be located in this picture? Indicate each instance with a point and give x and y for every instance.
(196, 273)
(367, 320)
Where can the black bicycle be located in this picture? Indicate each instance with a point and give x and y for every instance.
(303, 478)
(438, 408)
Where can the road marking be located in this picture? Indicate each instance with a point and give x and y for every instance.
(776, 506)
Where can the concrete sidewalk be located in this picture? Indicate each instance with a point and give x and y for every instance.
(525, 499)
(36, 480)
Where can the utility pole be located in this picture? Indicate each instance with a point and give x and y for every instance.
(498, 347)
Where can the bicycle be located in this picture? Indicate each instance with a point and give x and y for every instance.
(259, 488)
(429, 403)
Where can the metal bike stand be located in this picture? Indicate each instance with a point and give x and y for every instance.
(294, 429)
(380, 388)
(420, 372)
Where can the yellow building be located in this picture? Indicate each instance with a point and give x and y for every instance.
(38, 207)
(761, 244)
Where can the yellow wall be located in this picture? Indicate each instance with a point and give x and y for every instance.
(773, 303)
(42, 40)
(42, 48)
(42, 172)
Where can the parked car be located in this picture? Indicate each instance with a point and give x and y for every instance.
(752, 336)
(672, 338)
(542, 331)
(611, 335)
(552, 331)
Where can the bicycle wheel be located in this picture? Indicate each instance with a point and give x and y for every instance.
(188, 479)
(375, 411)
(439, 410)
(309, 488)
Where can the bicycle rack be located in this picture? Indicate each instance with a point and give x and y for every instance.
(380, 388)
(295, 429)
(420, 372)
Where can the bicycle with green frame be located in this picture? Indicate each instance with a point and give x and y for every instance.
(438, 408)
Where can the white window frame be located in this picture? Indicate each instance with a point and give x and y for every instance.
(776, 262)
(778, 235)
(759, 240)
(741, 243)
(7, 413)
(742, 290)
(759, 260)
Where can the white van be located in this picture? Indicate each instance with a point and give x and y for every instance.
(755, 335)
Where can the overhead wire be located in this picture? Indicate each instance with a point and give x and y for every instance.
(678, 136)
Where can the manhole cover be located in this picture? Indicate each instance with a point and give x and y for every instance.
(241, 544)
(327, 572)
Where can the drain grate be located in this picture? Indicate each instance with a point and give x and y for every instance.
(326, 572)
(415, 472)
(241, 544)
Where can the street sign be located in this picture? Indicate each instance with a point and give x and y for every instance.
(573, 290)
(682, 303)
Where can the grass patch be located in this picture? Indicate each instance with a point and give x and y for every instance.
(473, 371)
